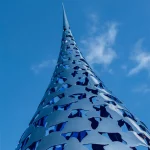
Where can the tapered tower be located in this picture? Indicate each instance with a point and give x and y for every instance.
(77, 112)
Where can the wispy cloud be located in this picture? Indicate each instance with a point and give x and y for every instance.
(124, 67)
(110, 71)
(141, 57)
(99, 45)
(142, 89)
(44, 64)
(93, 23)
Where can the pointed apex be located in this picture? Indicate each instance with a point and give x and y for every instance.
(65, 20)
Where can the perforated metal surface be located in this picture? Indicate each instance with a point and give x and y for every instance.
(78, 112)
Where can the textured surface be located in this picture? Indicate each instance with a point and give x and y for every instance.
(78, 112)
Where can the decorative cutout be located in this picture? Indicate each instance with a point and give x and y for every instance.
(33, 146)
(25, 141)
(102, 110)
(94, 122)
(58, 127)
(57, 147)
(41, 122)
(95, 147)
(125, 126)
(64, 86)
(62, 107)
(113, 98)
(78, 96)
(78, 135)
(91, 90)
(78, 113)
(83, 81)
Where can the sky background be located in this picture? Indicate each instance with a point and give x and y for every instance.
(113, 36)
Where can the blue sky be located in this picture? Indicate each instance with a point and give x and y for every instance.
(113, 35)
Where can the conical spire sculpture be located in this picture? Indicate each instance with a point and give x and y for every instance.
(77, 112)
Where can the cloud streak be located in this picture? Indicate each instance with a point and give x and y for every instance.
(43, 65)
(93, 23)
(141, 57)
(124, 67)
(142, 89)
(99, 45)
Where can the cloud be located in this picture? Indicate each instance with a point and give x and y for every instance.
(141, 57)
(110, 71)
(44, 64)
(142, 89)
(93, 23)
(124, 67)
(99, 45)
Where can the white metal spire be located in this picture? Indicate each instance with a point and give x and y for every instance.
(65, 20)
